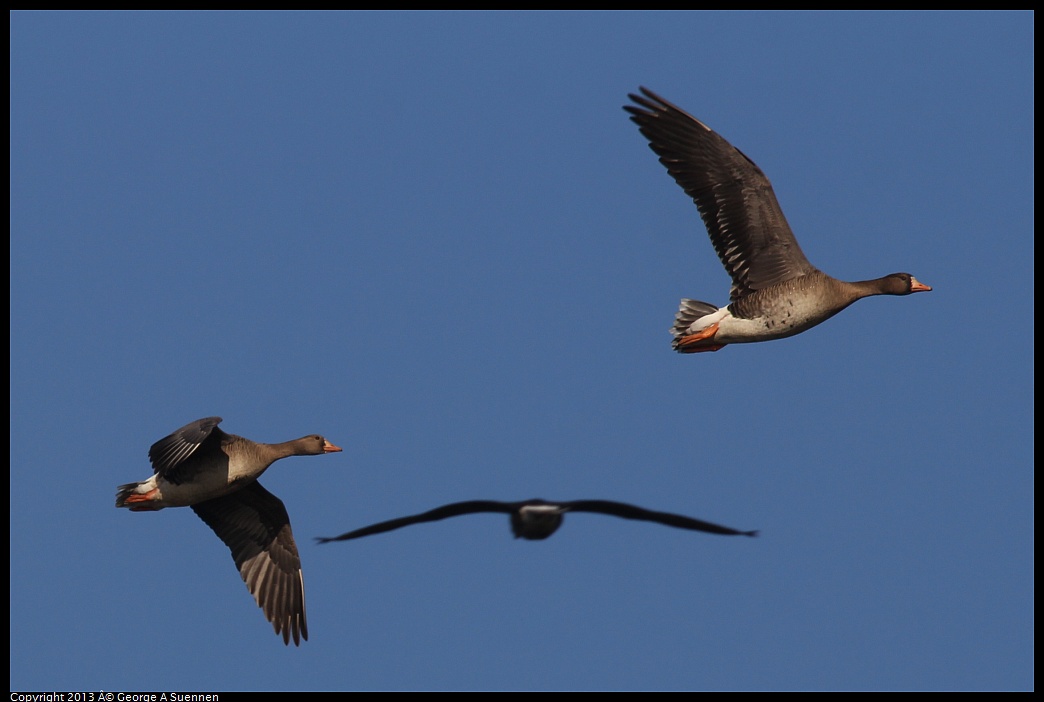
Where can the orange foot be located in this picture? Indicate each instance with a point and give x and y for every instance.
(686, 343)
(143, 497)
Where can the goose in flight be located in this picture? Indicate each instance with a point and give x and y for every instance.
(215, 473)
(539, 519)
(776, 292)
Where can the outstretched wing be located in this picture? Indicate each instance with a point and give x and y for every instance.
(255, 526)
(451, 510)
(734, 197)
(621, 509)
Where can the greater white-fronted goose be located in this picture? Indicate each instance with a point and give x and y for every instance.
(776, 292)
(216, 474)
(539, 519)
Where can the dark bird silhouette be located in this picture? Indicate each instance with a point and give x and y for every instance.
(215, 473)
(539, 519)
(775, 292)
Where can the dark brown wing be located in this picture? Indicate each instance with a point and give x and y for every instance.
(734, 197)
(254, 525)
(451, 510)
(621, 509)
(178, 457)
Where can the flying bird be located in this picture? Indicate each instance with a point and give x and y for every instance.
(539, 519)
(775, 292)
(215, 473)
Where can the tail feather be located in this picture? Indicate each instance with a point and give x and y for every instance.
(126, 492)
(123, 492)
(688, 312)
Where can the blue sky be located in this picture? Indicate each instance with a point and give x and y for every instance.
(437, 239)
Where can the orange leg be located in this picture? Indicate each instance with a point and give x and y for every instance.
(144, 497)
(687, 341)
